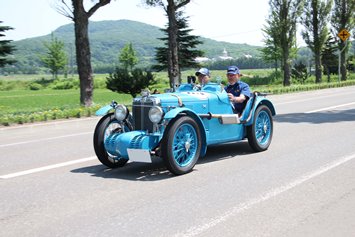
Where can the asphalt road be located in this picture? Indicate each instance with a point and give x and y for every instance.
(304, 185)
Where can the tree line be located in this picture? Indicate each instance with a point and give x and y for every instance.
(320, 36)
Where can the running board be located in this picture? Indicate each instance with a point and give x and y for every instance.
(223, 118)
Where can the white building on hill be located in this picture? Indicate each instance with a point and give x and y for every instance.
(225, 56)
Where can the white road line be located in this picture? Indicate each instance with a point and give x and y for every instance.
(197, 230)
(329, 108)
(45, 139)
(44, 168)
(308, 99)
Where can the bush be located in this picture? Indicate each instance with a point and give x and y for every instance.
(62, 86)
(299, 72)
(5, 121)
(99, 84)
(130, 82)
(276, 77)
(35, 86)
(44, 82)
(6, 86)
(65, 84)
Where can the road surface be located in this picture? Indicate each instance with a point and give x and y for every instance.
(304, 185)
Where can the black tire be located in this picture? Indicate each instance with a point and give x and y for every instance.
(260, 132)
(99, 137)
(181, 145)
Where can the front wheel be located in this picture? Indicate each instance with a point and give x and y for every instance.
(260, 132)
(181, 146)
(105, 127)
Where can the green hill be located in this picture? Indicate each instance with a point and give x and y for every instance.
(106, 40)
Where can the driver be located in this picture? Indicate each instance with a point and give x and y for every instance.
(238, 91)
(203, 76)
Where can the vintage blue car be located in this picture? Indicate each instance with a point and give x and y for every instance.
(179, 126)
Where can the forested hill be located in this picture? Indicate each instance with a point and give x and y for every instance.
(108, 37)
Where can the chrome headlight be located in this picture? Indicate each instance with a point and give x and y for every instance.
(155, 114)
(121, 112)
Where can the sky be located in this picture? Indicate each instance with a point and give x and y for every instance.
(235, 21)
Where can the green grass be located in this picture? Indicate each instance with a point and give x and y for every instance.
(24, 106)
(33, 101)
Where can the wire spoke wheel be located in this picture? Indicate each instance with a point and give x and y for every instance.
(263, 128)
(260, 132)
(184, 145)
(181, 145)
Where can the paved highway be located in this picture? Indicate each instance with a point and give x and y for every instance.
(304, 185)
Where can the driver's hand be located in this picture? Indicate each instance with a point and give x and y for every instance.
(231, 97)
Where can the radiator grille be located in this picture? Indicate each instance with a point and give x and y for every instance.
(140, 115)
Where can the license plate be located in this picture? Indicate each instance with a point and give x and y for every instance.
(139, 155)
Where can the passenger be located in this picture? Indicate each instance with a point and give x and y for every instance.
(238, 91)
(203, 76)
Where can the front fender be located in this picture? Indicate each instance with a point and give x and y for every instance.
(172, 114)
(103, 110)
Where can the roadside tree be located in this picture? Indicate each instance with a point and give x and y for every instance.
(315, 18)
(283, 20)
(187, 43)
(171, 7)
(55, 58)
(127, 57)
(329, 57)
(77, 13)
(271, 53)
(6, 49)
(343, 17)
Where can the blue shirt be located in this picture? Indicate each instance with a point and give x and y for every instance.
(237, 89)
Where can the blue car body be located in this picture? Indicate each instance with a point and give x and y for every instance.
(139, 139)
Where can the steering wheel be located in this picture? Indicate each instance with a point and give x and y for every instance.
(197, 87)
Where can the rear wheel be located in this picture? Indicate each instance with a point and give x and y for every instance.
(260, 132)
(181, 146)
(105, 127)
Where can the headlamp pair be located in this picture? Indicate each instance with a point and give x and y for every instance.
(155, 113)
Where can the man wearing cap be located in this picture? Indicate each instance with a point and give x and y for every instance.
(203, 76)
(238, 91)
